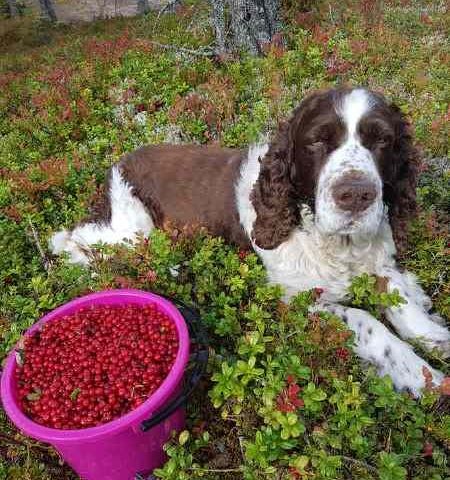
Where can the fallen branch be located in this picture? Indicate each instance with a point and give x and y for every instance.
(34, 237)
(216, 470)
(198, 53)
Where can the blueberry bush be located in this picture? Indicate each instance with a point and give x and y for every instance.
(286, 398)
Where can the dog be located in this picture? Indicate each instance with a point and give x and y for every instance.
(329, 198)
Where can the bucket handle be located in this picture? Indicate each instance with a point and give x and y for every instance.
(200, 361)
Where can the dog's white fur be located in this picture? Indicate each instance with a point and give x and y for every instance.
(351, 156)
(129, 218)
(326, 251)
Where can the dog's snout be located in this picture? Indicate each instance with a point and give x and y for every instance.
(354, 193)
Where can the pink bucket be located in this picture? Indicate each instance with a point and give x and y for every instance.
(129, 447)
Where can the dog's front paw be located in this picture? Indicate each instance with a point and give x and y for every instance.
(413, 323)
(408, 371)
(436, 318)
(437, 337)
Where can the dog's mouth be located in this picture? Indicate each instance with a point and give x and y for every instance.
(343, 223)
(346, 223)
(348, 227)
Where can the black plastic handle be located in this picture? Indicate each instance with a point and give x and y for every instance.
(199, 360)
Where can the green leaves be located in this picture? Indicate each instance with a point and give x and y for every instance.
(233, 379)
(222, 281)
(246, 371)
(257, 315)
(370, 293)
(383, 389)
(390, 468)
(183, 437)
(252, 344)
(267, 447)
(313, 398)
(74, 394)
(181, 463)
(290, 425)
(327, 465)
(226, 385)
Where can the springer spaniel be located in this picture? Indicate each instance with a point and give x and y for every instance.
(329, 198)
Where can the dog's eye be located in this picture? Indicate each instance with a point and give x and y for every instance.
(315, 146)
(382, 140)
(379, 137)
(323, 136)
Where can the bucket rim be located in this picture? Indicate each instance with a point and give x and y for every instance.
(130, 420)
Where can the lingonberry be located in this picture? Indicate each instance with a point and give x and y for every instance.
(343, 353)
(95, 365)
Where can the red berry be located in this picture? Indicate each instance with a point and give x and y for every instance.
(243, 254)
(342, 353)
(95, 365)
(427, 449)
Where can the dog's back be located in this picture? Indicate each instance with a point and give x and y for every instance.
(188, 185)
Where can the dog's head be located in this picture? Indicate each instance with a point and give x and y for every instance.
(346, 153)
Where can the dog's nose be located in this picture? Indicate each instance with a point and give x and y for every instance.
(354, 193)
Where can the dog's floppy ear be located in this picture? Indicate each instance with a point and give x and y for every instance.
(275, 195)
(400, 191)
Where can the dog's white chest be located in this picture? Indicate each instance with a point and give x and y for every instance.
(308, 260)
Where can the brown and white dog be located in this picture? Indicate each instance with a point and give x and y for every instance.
(329, 198)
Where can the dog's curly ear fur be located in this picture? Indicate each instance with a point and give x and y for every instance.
(400, 192)
(273, 195)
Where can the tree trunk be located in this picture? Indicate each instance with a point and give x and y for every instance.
(170, 6)
(47, 10)
(253, 23)
(143, 6)
(218, 21)
(12, 7)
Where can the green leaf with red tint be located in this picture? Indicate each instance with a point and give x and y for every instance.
(34, 396)
(74, 394)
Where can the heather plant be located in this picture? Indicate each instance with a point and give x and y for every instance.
(284, 396)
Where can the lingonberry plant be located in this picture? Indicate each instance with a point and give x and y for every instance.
(370, 293)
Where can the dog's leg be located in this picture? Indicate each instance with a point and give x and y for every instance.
(126, 218)
(412, 320)
(390, 355)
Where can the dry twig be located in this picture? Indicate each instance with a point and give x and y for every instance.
(206, 52)
(34, 238)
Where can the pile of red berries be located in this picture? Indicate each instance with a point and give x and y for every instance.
(95, 365)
